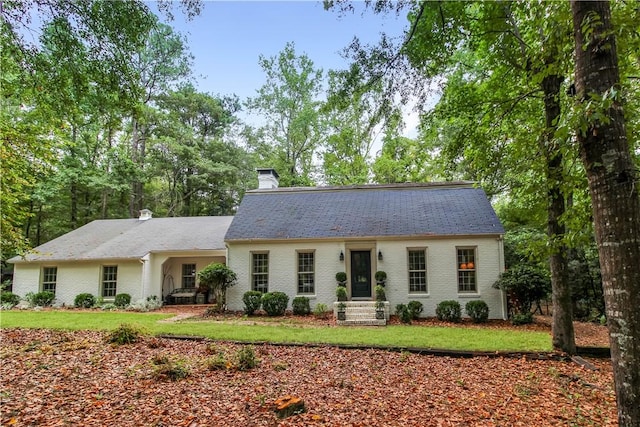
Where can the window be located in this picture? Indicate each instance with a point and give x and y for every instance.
(109, 280)
(49, 279)
(466, 270)
(188, 275)
(417, 271)
(260, 272)
(306, 273)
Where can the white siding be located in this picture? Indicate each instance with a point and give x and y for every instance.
(442, 279)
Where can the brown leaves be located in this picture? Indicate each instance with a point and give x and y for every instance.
(61, 378)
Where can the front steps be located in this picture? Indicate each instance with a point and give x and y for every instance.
(361, 313)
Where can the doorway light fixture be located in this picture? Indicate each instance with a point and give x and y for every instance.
(341, 256)
(379, 255)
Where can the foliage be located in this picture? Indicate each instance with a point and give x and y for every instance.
(341, 293)
(380, 276)
(165, 368)
(403, 313)
(522, 318)
(40, 299)
(124, 334)
(449, 311)
(218, 278)
(245, 359)
(524, 285)
(275, 303)
(252, 301)
(341, 277)
(380, 293)
(122, 300)
(9, 299)
(84, 300)
(148, 304)
(415, 309)
(478, 310)
(301, 306)
(320, 310)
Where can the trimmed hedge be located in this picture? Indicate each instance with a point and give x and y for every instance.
(84, 300)
(252, 301)
(449, 311)
(122, 300)
(301, 306)
(275, 303)
(478, 311)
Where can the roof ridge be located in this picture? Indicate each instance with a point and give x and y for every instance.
(405, 185)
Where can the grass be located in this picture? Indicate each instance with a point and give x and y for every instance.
(451, 338)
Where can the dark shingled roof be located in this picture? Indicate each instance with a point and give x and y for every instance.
(402, 210)
(133, 238)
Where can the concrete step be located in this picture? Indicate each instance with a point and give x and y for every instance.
(361, 313)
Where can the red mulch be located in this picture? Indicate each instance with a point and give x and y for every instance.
(58, 378)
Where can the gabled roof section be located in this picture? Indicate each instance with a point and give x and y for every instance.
(399, 210)
(133, 238)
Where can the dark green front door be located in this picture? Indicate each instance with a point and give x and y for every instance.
(361, 274)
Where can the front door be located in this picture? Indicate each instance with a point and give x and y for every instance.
(361, 274)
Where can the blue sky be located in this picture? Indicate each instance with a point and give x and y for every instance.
(227, 38)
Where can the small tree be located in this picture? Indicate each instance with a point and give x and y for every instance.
(524, 286)
(218, 278)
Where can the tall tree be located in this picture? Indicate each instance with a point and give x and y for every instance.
(289, 103)
(613, 184)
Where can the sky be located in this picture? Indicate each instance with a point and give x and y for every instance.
(228, 37)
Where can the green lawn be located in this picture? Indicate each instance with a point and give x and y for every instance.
(451, 338)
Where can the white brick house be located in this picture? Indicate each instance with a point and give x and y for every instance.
(436, 242)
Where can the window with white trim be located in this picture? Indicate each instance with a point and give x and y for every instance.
(417, 270)
(260, 272)
(466, 264)
(306, 273)
(49, 279)
(188, 276)
(109, 280)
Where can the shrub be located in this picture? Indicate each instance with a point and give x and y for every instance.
(415, 309)
(108, 307)
(341, 277)
(275, 303)
(320, 310)
(124, 334)
(9, 299)
(252, 301)
(449, 311)
(84, 300)
(380, 293)
(217, 363)
(524, 286)
(40, 299)
(301, 306)
(245, 359)
(149, 304)
(522, 319)
(403, 313)
(122, 300)
(477, 310)
(380, 276)
(165, 368)
(341, 293)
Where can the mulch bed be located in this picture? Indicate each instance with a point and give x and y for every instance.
(75, 378)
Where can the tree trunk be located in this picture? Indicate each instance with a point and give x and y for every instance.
(73, 186)
(562, 326)
(614, 193)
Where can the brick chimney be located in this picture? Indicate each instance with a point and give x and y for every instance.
(145, 214)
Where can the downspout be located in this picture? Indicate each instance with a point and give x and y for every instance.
(146, 280)
(501, 270)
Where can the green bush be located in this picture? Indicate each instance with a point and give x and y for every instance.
(522, 319)
(403, 313)
(415, 309)
(40, 299)
(477, 310)
(301, 306)
(524, 286)
(84, 301)
(380, 293)
(245, 359)
(341, 293)
(252, 301)
(9, 299)
(165, 368)
(341, 277)
(122, 300)
(449, 311)
(275, 303)
(124, 334)
(321, 310)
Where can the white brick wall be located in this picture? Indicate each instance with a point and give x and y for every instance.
(442, 279)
